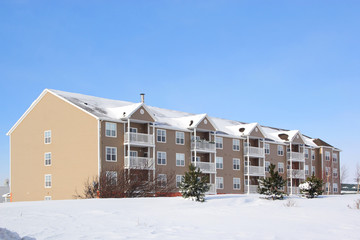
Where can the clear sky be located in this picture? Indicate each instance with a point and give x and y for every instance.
(289, 64)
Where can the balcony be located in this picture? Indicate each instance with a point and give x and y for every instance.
(254, 170)
(296, 173)
(203, 146)
(252, 188)
(295, 190)
(139, 139)
(206, 167)
(211, 189)
(296, 156)
(254, 151)
(139, 163)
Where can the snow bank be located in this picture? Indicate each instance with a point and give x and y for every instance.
(8, 235)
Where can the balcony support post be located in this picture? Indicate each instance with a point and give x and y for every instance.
(291, 171)
(195, 147)
(128, 150)
(248, 166)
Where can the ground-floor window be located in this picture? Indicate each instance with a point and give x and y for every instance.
(220, 183)
(236, 183)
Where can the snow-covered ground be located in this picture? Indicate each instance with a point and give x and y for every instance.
(221, 217)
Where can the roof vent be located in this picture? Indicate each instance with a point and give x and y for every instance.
(191, 122)
(85, 103)
(241, 129)
(142, 97)
(124, 114)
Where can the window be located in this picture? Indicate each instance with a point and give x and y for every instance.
(236, 145)
(179, 179)
(161, 180)
(335, 172)
(335, 187)
(306, 169)
(327, 156)
(111, 155)
(313, 170)
(236, 183)
(110, 129)
(111, 178)
(180, 159)
(47, 157)
(327, 187)
(246, 163)
(133, 130)
(219, 142)
(280, 150)
(219, 183)
(47, 137)
(197, 159)
(306, 153)
(267, 166)
(180, 138)
(281, 167)
(197, 138)
(219, 163)
(161, 135)
(236, 164)
(334, 157)
(267, 148)
(161, 158)
(312, 155)
(47, 198)
(327, 171)
(133, 153)
(47, 180)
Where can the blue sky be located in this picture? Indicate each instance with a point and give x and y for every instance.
(289, 64)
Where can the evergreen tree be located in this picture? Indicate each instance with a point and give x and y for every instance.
(312, 187)
(194, 184)
(270, 186)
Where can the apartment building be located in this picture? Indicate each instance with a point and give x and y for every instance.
(65, 138)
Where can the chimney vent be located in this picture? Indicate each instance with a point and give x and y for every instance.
(142, 97)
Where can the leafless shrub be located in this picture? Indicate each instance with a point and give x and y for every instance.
(356, 205)
(290, 203)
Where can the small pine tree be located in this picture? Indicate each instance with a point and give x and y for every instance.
(194, 185)
(312, 187)
(270, 186)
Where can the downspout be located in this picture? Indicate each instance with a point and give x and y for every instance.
(248, 166)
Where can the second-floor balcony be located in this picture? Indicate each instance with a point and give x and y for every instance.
(296, 156)
(254, 151)
(203, 146)
(300, 174)
(254, 170)
(206, 167)
(139, 139)
(143, 163)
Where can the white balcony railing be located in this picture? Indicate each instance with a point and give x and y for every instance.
(296, 173)
(139, 163)
(206, 167)
(211, 189)
(252, 188)
(203, 146)
(296, 156)
(295, 190)
(255, 170)
(139, 139)
(254, 151)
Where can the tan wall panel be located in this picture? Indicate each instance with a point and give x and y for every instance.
(144, 117)
(207, 126)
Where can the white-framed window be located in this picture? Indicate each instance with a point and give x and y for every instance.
(236, 164)
(197, 159)
(335, 158)
(179, 179)
(280, 151)
(267, 148)
(327, 171)
(110, 129)
(111, 177)
(306, 153)
(47, 137)
(180, 159)
(162, 180)
(236, 183)
(219, 183)
(47, 158)
(267, 166)
(327, 185)
(246, 182)
(161, 135)
(335, 187)
(306, 169)
(111, 154)
(48, 181)
(219, 163)
(47, 198)
(335, 172)
(313, 170)
(161, 158)
(133, 153)
(281, 167)
(197, 138)
(180, 138)
(312, 155)
(219, 142)
(236, 144)
(133, 130)
(327, 156)
(246, 163)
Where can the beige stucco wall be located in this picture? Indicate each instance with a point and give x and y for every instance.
(74, 144)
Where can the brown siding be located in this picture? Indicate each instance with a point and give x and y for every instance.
(257, 134)
(144, 117)
(207, 126)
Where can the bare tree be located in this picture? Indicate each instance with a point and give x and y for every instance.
(344, 174)
(357, 176)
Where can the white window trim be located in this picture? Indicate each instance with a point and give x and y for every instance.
(222, 143)
(282, 167)
(115, 175)
(327, 156)
(132, 128)
(106, 147)
(282, 150)
(239, 164)
(222, 163)
(46, 175)
(237, 149)
(267, 144)
(157, 158)
(157, 139)
(337, 188)
(312, 155)
(180, 160)
(306, 150)
(183, 133)
(218, 182)
(45, 137)
(307, 169)
(239, 182)
(47, 198)
(110, 123)
(176, 180)
(162, 179)
(47, 165)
